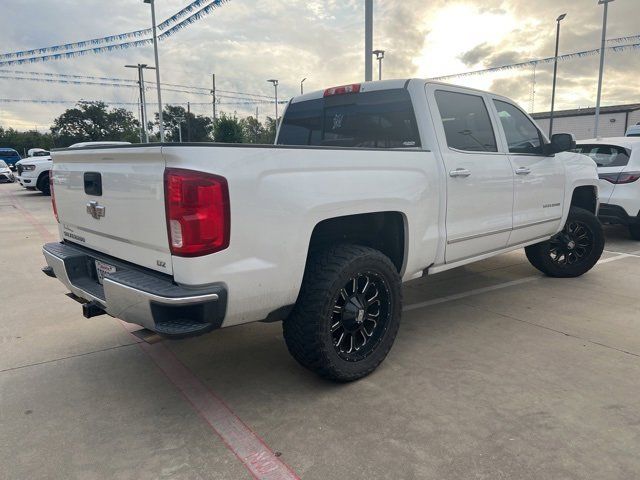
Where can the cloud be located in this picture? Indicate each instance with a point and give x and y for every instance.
(247, 42)
(477, 54)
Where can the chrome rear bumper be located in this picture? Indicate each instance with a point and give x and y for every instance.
(137, 295)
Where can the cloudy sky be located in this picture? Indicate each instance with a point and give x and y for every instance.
(246, 42)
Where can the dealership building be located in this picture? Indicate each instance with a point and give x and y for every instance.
(614, 121)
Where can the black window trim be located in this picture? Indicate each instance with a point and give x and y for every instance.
(491, 121)
(535, 125)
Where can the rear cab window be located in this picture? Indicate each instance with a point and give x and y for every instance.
(379, 119)
(466, 121)
(606, 155)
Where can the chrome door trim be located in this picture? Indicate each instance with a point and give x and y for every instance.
(478, 235)
(504, 230)
(533, 224)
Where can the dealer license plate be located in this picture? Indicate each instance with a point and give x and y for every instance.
(102, 269)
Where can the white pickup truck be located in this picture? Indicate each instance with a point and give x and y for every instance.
(368, 185)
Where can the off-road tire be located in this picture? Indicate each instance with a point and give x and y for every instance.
(308, 331)
(541, 254)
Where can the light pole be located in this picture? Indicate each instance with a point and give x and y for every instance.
(368, 40)
(604, 37)
(213, 93)
(143, 98)
(302, 85)
(555, 72)
(275, 86)
(155, 51)
(180, 120)
(379, 56)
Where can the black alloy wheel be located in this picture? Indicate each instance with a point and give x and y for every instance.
(360, 316)
(572, 245)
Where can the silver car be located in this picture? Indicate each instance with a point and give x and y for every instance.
(6, 175)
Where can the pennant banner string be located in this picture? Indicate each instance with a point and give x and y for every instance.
(84, 44)
(531, 63)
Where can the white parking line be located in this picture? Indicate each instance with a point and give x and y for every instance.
(500, 286)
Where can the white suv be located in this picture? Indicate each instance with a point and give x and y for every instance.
(618, 161)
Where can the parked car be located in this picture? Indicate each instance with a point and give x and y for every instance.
(368, 185)
(33, 173)
(37, 152)
(6, 175)
(10, 157)
(633, 131)
(618, 161)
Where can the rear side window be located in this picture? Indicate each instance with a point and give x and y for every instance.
(521, 133)
(381, 119)
(606, 155)
(466, 122)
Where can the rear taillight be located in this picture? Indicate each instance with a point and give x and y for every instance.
(198, 217)
(343, 90)
(53, 199)
(620, 178)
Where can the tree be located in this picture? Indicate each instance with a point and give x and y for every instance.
(270, 130)
(23, 141)
(228, 129)
(252, 129)
(194, 128)
(256, 132)
(91, 121)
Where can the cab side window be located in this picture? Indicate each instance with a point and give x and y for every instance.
(522, 134)
(466, 122)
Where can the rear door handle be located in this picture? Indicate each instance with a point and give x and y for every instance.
(523, 171)
(459, 172)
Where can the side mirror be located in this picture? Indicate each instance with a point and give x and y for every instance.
(561, 142)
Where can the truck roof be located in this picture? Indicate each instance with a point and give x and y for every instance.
(626, 142)
(381, 85)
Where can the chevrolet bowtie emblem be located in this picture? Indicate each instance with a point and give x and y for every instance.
(95, 210)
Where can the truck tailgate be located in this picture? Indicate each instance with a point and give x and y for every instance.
(112, 200)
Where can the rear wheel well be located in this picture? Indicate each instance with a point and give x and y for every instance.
(383, 231)
(585, 197)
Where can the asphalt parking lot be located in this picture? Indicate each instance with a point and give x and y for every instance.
(497, 373)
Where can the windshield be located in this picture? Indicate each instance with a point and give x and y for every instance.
(41, 154)
(9, 154)
(379, 119)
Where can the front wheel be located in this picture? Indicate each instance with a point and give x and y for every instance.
(347, 314)
(43, 184)
(572, 252)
